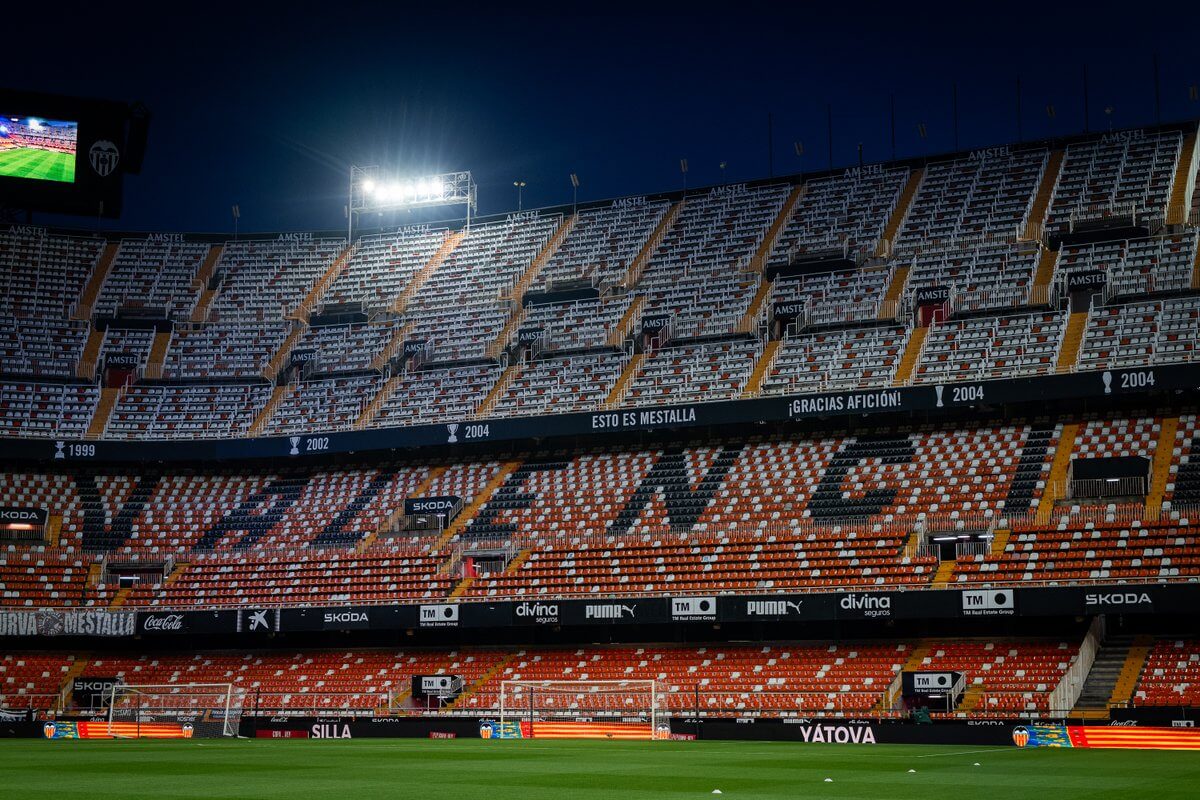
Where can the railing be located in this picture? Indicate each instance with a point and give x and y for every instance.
(1067, 692)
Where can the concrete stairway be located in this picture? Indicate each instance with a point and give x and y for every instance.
(1056, 483)
(1160, 470)
(104, 409)
(1180, 203)
(91, 289)
(1035, 223)
(754, 384)
(888, 241)
(912, 354)
(1098, 687)
(1068, 354)
(617, 393)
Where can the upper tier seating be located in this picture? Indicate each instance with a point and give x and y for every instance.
(265, 280)
(43, 275)
(346, 348)
(844, 212)
(1142, 333)
(151, 275)
(693, 373)
(699, 274)
(46, 410)
(382, 266)
(436, 395)
(202, 411)
(601, 245)
(323, 405)
(1127, 171)
(41, 347)
(127, 341)
(987, 195)
(459, 310)
(980, 277)
(581, 325)
(982, 348)
(836, 360)
(1137, 266)
(1171, 675)
(560, 385)
(225, 350)
(835, 298)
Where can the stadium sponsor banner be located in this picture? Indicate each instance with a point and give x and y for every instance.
(358, 727)
(440, 504)
(1119, 737)
(1036, 389)
(55, 622)
(624, 611)
(304, 356)
(346, 618)
(1086, 279)
(776, 608)
(1121, 599)
(258, 620)
(127, 361)
(154, 623)
(23, 515)
(819, 731)
(93, 691)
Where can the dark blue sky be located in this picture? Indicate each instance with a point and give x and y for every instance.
(267, 107)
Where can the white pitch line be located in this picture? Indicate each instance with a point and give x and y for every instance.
(968, 752)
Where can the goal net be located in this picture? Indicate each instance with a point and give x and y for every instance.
(583, 709)
(174, 710)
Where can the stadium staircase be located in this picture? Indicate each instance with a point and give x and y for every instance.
(108, 401)
(86, 366)
(1040, 293)
(54, 530)
(945, 572)
(275, 365)
(157, 359)
(1183, 186)
(471, 509)
(461, 588)
(754, 384)
(424, 273)
(392, 347)
(1100, 684)
(91, 290)
(891, 696)
(502, 383)
(912, 354)
(1196, 267)
(77, 668)
(1160, 470)
(970, 700)
(1035, 222)
(517, 293)
(624, 329)
(896, 219)
(391, 519)
(484, 679)
(120, 597)
(1068, 353)
(617, 394)
(200, 283)
(1056, 485)
(636, 267)
(310, 301)
(1000, 541)
(377, 402)
(260, 422)
(1131, 670)
(766, 247)
(749, 321)
(500, 344)
(890, 307)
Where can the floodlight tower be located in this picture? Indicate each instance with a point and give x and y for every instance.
(371, 191)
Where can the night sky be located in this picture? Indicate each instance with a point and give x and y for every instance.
(267, 108)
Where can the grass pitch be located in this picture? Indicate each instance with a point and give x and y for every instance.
(463, 769)
(29, 162)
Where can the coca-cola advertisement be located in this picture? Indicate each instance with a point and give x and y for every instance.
(161, 622)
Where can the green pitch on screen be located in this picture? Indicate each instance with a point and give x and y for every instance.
(42, 165)
(472, 769)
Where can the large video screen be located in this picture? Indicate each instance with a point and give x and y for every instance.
(38, 149)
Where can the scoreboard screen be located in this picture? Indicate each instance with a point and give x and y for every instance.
(66, 155)
(37, 149)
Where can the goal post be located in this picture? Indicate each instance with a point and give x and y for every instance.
(583, 709)
(174, 710)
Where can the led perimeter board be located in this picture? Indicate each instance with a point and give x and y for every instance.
(64, 155)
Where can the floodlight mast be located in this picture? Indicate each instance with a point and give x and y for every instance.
(371, 191)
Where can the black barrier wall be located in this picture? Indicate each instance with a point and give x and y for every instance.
(950, 396)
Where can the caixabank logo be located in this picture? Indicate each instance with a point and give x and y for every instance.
(694, 609)
(441, 615)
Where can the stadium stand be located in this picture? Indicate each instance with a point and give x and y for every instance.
(152, 277)
(1171, 675)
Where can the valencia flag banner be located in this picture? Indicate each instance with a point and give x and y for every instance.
(1135, 738)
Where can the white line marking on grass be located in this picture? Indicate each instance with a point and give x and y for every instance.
(967, 752)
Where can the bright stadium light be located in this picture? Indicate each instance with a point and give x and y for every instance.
(372, 191)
